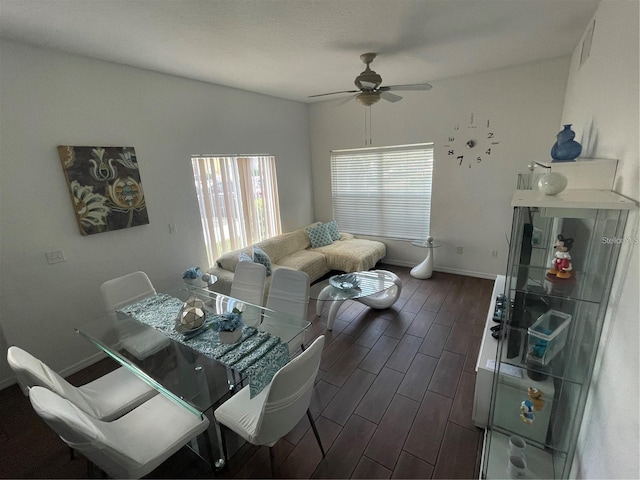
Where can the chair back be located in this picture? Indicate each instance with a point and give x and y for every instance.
(128, 447)
(118, 292)
(121, 291)
(289, 292)
(32, 372)
(248, 286)
(290, 394)
(73, 425)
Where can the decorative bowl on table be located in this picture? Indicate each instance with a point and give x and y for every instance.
(230, 337)
(347, 281)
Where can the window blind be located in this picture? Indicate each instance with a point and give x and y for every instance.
(383, 191)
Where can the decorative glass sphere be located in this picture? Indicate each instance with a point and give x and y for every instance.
(192, 317)
(194, 301)
(552, 183)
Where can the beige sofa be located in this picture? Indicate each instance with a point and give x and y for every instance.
(293, 250)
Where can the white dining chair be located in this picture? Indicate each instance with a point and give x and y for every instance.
(248, 282)
(289, 293)
(116, 293)
(105, 398)
(130, 446)
(270, 415)
(248, 286)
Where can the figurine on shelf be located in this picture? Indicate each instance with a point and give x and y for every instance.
(562, 261)
(526, 412)
(537, 398)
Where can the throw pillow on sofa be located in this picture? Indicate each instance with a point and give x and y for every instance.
(319, 236)
(260, 256)
(243, 257)
(332, 228)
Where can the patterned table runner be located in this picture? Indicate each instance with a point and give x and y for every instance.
(257, 355)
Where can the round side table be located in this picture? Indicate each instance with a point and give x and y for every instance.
(424, 270)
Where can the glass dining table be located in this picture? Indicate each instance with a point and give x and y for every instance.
(193, 367)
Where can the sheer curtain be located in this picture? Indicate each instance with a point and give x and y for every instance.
(238, 199)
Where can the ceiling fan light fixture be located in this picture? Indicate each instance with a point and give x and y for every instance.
(367, 98)
(368, 80)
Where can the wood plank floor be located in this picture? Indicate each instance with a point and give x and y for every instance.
(393, 398)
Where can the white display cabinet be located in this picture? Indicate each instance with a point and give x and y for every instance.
(546, 367)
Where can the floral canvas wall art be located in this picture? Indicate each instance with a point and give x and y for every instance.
(105, 187)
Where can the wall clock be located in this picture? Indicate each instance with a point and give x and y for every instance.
(471, 143)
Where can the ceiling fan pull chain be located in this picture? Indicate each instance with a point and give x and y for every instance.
(370, 127)
(365, 126)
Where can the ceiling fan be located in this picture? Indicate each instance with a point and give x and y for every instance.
(369, 89)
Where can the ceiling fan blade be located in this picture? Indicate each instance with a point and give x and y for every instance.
(390, 97)
(412, 86)
(342, 101)
(333, 93)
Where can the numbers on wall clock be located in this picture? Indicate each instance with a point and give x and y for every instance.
(471, 143)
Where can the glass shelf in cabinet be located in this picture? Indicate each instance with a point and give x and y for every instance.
(548, 422)
(560, 367)
(581, 286)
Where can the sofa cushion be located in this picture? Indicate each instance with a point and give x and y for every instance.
(229, 260)
(319, 236)
(353, 255)
(259, 256)
(284, 244)
(312, 263)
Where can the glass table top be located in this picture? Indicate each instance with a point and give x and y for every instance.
(371, 282)
(177, 366)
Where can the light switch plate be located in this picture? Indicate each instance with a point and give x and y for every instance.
(55, 256)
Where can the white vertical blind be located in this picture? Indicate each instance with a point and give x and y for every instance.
(383, 191)
(238, 199)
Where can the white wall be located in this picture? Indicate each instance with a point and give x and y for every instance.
(602, 104)
(470, 207)
(48, 99)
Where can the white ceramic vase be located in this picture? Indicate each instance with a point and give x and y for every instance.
(517, 446)
(552, 183)
(517, 467)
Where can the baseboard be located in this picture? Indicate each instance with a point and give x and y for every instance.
(7, 382)
(76, 367)
(467, 273)
(437, 268)
(398, 263)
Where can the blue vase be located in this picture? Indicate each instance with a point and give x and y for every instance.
(566, 149)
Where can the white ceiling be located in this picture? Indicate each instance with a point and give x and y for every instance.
(296, 48)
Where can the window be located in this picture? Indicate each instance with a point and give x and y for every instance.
(238, 198)
(385, 191)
